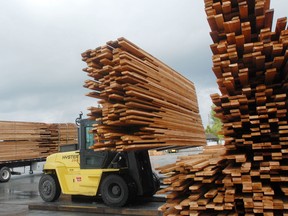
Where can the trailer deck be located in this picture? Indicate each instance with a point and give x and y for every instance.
(21, 163)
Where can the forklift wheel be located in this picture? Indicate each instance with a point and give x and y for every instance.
(49, 188)
(114, 191)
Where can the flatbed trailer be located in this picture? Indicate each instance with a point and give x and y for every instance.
(6, 167)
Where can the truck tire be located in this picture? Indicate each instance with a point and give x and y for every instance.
(49, 187)
(5, 174)
(114, 191)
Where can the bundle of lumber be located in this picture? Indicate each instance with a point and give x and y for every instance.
(250, 64)
(64, 133)
(196, 184)
(143, 104)
(29, 140)
(21, 140)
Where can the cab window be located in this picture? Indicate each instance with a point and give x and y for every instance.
(89, 137)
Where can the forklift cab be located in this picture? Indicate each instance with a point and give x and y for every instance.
(90, 159)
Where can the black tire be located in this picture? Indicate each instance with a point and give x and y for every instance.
(114, 191)
(5, 174)
(49, 188)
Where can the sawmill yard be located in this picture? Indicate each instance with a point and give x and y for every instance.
(139, 103)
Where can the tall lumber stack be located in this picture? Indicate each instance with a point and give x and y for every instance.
(250, 63)
(29, 140)
(143, 104)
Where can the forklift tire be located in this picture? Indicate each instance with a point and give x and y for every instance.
(5, 174)
(114, 191)
(49, 188)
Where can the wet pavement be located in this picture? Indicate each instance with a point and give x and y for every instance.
(22, 191)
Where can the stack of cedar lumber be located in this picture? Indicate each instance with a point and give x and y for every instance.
(64, 133)
(29, 140)
(21, 140)
(143, 103)
(250, 64)
(197, 185)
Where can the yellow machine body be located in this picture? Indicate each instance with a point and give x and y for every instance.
(72, 179)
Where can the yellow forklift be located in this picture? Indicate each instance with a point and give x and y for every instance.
(117, 177)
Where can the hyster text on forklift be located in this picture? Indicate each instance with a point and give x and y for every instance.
(116, 177)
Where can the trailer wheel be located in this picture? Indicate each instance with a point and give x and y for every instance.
(114, 191)
(49, 188)
(5, 174)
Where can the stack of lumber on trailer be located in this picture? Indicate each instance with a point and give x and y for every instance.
(29, 140)
(143, 103)
(24, 140)
(64, 133)
(250, 64)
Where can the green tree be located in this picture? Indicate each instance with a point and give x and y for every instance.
(215, 125)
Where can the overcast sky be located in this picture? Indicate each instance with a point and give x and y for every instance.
(42, 40)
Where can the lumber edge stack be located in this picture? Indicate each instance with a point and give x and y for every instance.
(142, 103)
(250, 65)
(30, 140)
